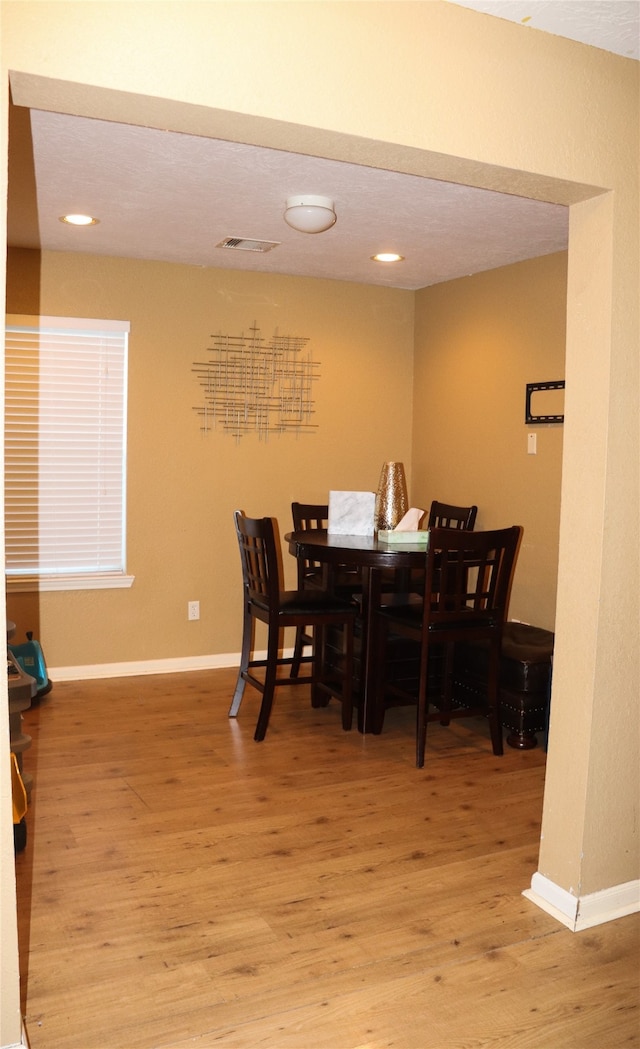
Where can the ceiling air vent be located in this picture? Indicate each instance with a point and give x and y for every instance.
(242, 244)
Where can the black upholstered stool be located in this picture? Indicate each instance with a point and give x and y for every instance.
(525, 676)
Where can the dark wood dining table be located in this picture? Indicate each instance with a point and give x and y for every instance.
(372, 556)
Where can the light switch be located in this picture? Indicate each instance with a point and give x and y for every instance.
(532, 443)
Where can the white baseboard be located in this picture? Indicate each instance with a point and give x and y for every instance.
(583, 912)
(179, 665)
(22, 1044)
(143, 666)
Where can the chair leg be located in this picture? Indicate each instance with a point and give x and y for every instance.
(269, 685)
(447, 685)
(423, 706)
(382, 634)
(493, 701)
(347, 684)
(297, 652)
(421, 735)
(319, 698)
(247, 641)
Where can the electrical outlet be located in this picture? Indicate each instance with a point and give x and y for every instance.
(193, 610)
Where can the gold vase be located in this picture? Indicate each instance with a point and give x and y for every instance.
(392, 502)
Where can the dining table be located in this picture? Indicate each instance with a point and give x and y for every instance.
(376, 559)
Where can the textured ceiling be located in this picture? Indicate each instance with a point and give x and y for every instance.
(169, 197)
(612, 25)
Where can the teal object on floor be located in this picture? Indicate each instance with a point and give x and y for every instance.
(30, 657)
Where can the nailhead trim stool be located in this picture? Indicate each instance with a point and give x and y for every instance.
(525, 678)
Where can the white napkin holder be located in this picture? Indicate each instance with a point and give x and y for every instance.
(351, 513)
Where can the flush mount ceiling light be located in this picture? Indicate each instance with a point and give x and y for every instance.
(387, 256)
(79, 220)
(310, 214)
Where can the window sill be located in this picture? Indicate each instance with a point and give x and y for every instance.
(73, 581)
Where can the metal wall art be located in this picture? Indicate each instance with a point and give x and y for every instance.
(254, 385)
(543, 403)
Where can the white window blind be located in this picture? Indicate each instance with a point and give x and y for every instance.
(65, 453)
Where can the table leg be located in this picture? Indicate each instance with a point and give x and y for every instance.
(368, 719)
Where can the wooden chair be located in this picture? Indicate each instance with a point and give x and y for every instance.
(307, 515)
(304, 516)
(264, 600)
(445, 515)
(468, 582)
(310, 574)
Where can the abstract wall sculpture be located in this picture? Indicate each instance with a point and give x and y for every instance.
(254, 385)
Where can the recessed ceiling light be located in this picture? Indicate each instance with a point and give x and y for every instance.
(387, 256)
(79, 220)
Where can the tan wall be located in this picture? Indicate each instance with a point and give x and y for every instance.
(479, 341)
(469, 434)
(183, 486)
(470, 98)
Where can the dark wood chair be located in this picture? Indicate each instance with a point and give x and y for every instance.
(445, 515)
(265, 600)
(310, 574)
(304, 516)
(468, 579)
(316, 516)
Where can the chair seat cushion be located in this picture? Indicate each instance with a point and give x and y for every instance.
(346, 581)
(396, 607)
(409, 613)
(313, 578)
(296, 602)
(300, 602)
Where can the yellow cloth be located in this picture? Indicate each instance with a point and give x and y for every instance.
(18, 791)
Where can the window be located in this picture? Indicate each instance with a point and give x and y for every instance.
(65, 453)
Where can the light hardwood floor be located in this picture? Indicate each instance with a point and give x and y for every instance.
(184, 886)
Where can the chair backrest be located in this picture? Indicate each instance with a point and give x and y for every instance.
(259, 559)
(309, 515)
(445, 515)
(468, 577)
